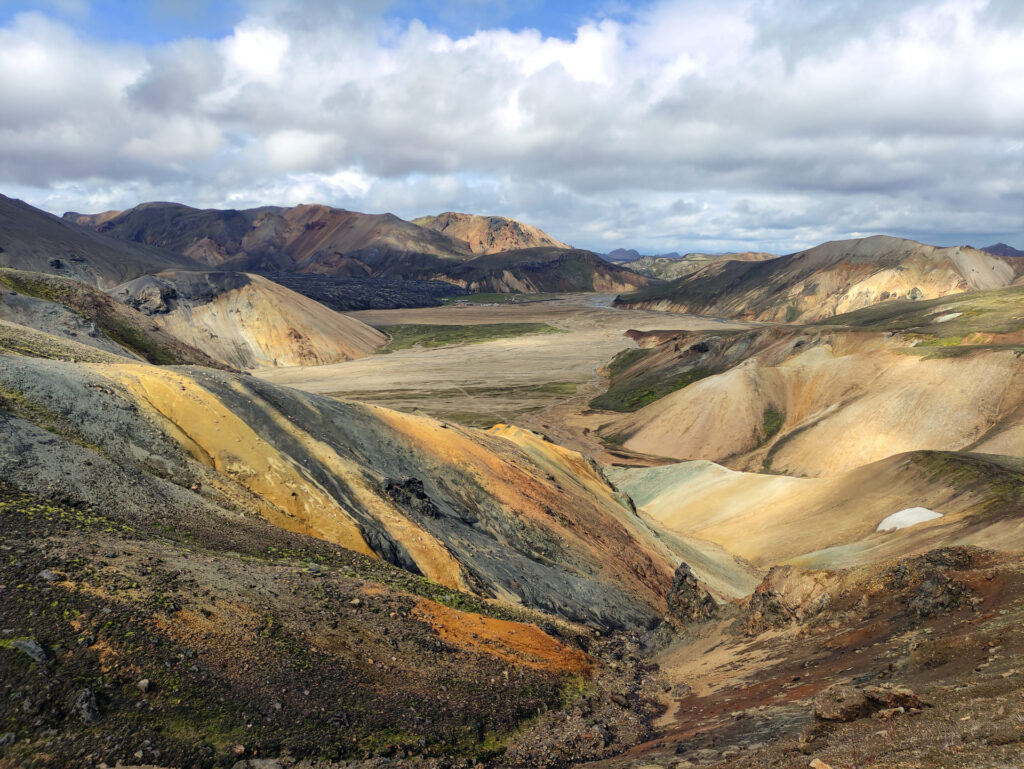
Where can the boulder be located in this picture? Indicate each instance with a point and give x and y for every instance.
(841, 702)
(892, 696)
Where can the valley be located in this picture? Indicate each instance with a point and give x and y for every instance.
(504, 380)
(554, 528)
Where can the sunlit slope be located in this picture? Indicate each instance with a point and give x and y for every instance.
(828, 280)
(941, 375)
(248, 321)
(832, 522)
(488, 234)
(460, 506)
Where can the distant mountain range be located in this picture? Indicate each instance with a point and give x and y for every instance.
(473, 252)
(833, 278)
(1001, 249)
(673, 265)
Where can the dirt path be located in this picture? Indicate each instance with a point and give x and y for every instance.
(539, 381)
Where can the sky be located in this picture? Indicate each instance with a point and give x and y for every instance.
(664, 125)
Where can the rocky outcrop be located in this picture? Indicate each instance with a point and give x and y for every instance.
(787, 595)
(688, 601)
(843, 702)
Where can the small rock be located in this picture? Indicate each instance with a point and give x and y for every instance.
(143, 684)
(238, 750)
(31, 647)
(86, 707)
(48, 576)
(819, 764)
(887, 713)
(356, 602)
(841, 702)
(110, 554)
(8, 739)
(621, 701)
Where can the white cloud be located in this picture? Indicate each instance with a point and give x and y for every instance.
(778, 123)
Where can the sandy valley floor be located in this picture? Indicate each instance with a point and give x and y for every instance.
(540, 381)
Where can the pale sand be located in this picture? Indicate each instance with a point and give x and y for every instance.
(497, 380)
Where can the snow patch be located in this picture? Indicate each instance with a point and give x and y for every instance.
(947, 316)
(909, 517)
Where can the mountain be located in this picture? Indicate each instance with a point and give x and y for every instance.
(943, 374)
(488, 234)
(36, 241)
(247, 321)
(672, 266)
(827, 280)
(541, 270)
(306, 238)
(1001, 249)
(333, 243)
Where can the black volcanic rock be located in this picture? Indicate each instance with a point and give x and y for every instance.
(688, 602)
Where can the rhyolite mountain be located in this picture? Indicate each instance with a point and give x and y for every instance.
(672, 266)
(829, 279)
(488, 234)
(824, 399)
(248, 321)
(319, 240)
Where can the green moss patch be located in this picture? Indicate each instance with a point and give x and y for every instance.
(632, 393)
(403, 337)
(772, 422)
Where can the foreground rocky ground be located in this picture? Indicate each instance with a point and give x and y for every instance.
(138, 644)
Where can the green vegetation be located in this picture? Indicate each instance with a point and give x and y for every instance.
(625, 359)
(632, 393)
(138, 341)
(772, 422)
(414, 334)
(1000, 311)
(792, 313)
(1001, 478)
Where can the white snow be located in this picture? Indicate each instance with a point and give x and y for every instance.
(947, 316)
(909, 517)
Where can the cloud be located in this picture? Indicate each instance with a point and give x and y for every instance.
(685, 124)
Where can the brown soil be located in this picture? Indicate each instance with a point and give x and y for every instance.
(515, 642)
